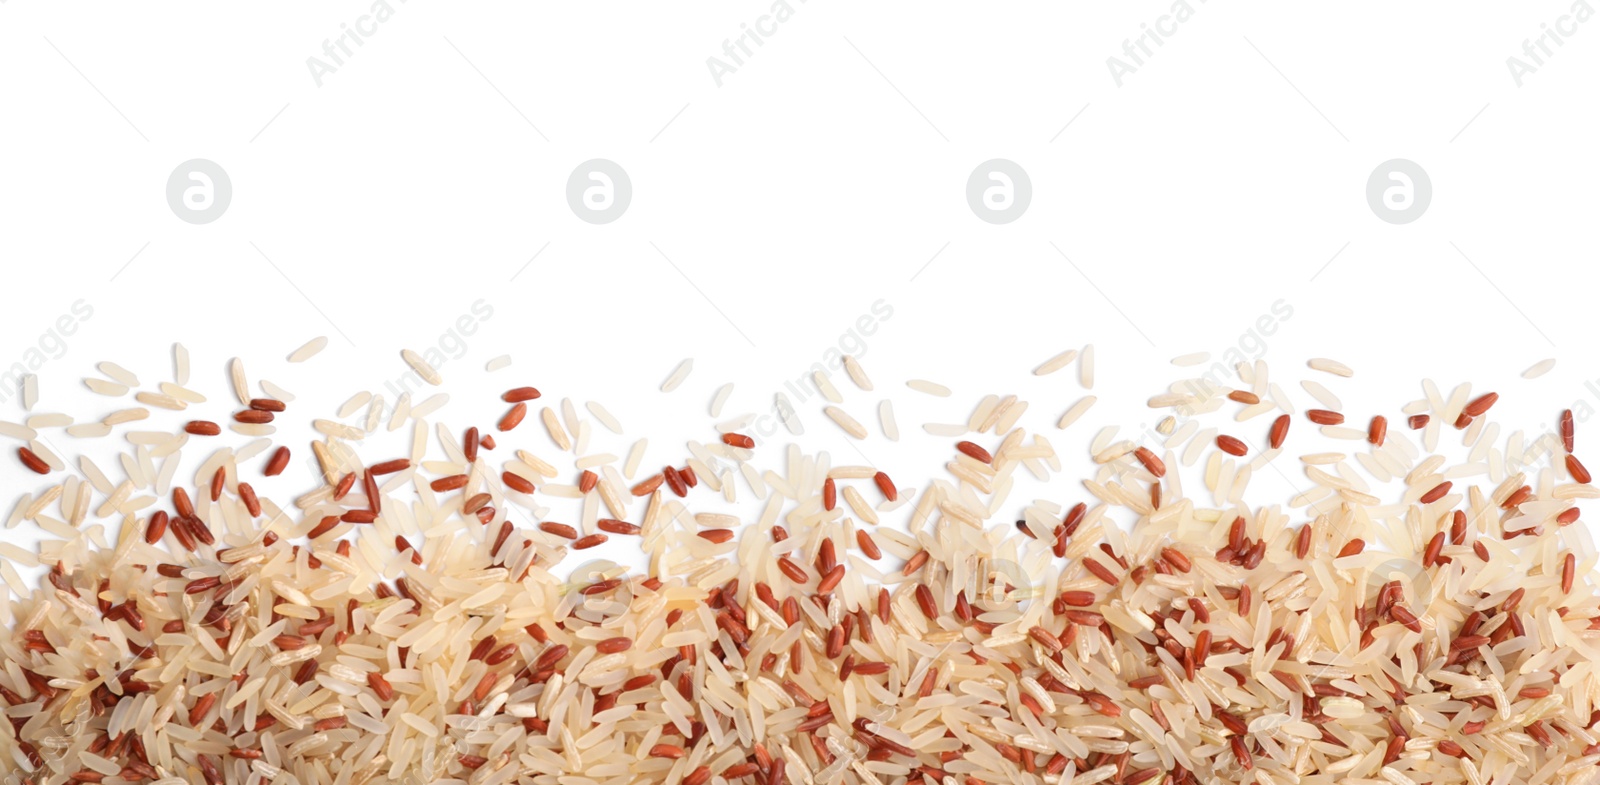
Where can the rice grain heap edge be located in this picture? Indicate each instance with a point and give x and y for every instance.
(418, 618)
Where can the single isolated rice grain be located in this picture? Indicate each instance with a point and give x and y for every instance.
(241, 385)
(421, 366)
(180, 364)
(720, 398)
(787, 413)
(119, 373)
(825, 386)
(103, 387)
(309, 349)
(931, 388)
(857, 374)
(604, 416)
(1330, 366)
(845, 421)
(1052, 365)
(1075, 411)
(677, 376)
(277, 392)
(891, 429)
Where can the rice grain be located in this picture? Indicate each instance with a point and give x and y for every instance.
(307, 350)
(1123, 630)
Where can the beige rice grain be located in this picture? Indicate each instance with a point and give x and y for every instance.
(309, 349)
(1330, 366)
(677, 376)
(428, 373)
(241, 385)
(1053, 364)
(1539, 368)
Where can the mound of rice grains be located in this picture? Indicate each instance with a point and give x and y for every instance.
(392, 625)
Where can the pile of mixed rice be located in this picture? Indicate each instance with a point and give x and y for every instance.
(417, 618)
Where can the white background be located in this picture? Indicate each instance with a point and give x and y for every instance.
(769, 213)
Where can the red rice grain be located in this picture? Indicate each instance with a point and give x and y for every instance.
(1577, 470)
(277, 463)
(1377, 430)
(32, 461)
(1280, 431)
(1324, 417)
(974, 452)
(886, 486)
(1481, 404)
(519, 394)
(1231, 446)
(1150, 462)
(513, 417)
